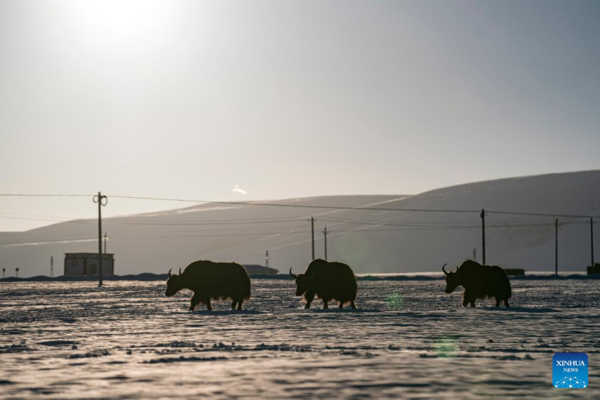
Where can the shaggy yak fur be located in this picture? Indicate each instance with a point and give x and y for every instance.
(212, 281)
(480, 282)
(328, 281)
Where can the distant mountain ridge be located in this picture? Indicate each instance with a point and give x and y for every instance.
(369, 240)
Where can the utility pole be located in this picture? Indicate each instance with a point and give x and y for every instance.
(102, 201)
(592, 222)
(483, 233)
(267, 259)
(556, 247)
(325, 231)
(312, 233)
(105, 241)
(51, 266)
(17, 269)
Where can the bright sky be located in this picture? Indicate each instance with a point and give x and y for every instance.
(242, 100)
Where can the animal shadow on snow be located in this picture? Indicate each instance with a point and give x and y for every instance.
(520, 310)
(222, 312)
(338, 311)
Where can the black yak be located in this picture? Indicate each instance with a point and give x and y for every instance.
(479, 281)
(328, 281)
(212, 281)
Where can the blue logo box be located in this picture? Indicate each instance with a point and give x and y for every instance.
(570, 370)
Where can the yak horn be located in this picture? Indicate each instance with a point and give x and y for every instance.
(179, 271)
(293, 276)
(170, 272)
(443, 269)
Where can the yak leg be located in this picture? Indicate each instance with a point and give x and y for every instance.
(473, 303)
(208, 306)
(506, 302)
(465, 301)
(240, 304)
(309, 297)
(194, 302)
(233, 305)
(497, 302)
(325, 304)
(341, 305)
(352, 305)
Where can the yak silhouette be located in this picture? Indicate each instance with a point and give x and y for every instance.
(480, 282)
(328, 281)
(212, 281)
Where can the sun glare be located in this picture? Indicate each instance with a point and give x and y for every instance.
(121, 21)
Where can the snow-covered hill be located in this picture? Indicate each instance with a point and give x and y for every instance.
(369, 240)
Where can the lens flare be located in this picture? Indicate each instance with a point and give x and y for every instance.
(446, 347)
(395, 301)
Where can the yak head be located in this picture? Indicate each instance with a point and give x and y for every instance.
(174, 284)
(302, 282)
(453, 279)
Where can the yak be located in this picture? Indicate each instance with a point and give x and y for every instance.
(212, 281)
(328, 281)
(479, 281)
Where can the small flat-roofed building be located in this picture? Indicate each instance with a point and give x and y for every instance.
(87, 264)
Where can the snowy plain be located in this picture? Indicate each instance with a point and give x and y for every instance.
(408, 340)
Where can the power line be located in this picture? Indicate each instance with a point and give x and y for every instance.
(359, 208)
(374, 223)
(294, 229)
(541, 214)
(117, 221)
(192, 223)
(46, 241)
(43, 195)
(86, 237)
(520, 220)
(235, 229)
(247, 203)
(447, 225)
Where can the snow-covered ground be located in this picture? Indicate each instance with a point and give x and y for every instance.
(407, 340)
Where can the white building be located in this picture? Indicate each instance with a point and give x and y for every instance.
(87, 264)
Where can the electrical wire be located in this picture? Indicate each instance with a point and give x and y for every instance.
(306, 206)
